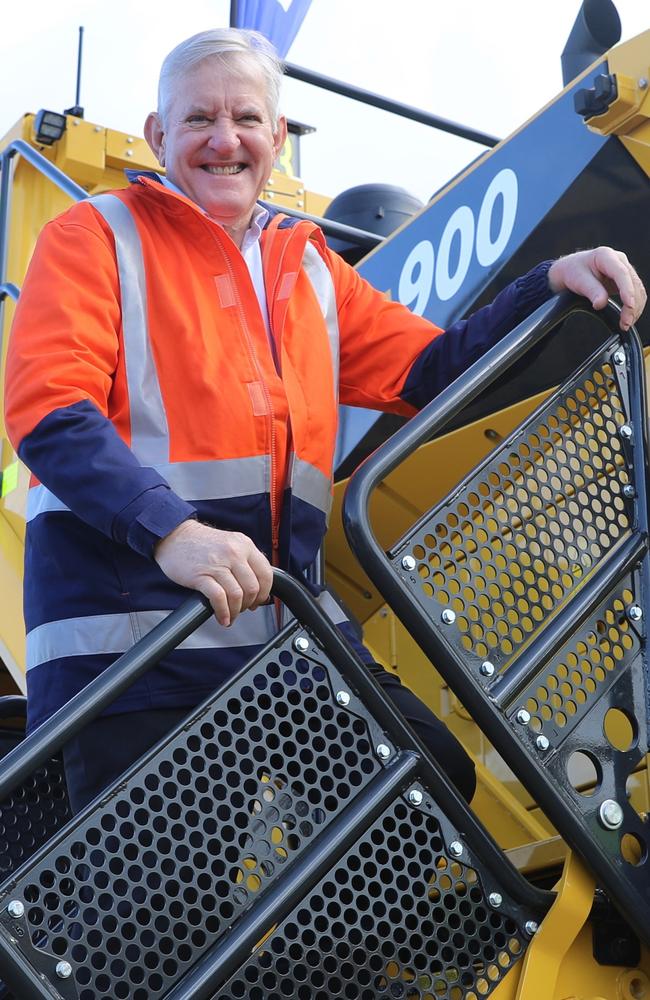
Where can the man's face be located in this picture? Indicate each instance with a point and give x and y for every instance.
(218, 143)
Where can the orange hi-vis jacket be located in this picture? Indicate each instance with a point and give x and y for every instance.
(143, 389)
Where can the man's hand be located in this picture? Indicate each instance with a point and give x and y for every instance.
(225, 566)
(597, 274)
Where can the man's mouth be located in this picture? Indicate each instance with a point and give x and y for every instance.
(232, 168)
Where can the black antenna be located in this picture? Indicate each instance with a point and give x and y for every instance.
(77, 110)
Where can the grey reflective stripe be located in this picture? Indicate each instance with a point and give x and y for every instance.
(41, 501)
(327, 604)
(331, 608)
(219, 479)
(95, 634)
(149, 430)
(310, 484)
(321, 280)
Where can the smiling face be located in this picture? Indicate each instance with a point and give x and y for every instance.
(218, 142)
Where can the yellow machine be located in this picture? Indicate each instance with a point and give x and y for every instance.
(578, 952)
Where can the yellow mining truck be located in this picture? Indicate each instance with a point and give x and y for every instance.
(293, 839)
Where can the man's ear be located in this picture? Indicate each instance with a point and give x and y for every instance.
(155, 136)
(280, 134)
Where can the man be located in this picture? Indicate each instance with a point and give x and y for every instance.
(173, 377)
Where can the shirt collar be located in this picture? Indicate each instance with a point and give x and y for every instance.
(258, 220)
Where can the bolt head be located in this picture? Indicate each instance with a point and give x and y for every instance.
(619, 357)
(626, 432)
(495, 899)
(63, 970)
(448, 616)
(15, 908)
(610, 814)
(455, 848)
(301, 644)
(542, 742)
(408, 563)
(635, 612)
(531, 927)
(487, 668)
(642, 83)
(415, 797)
(629, 491)
(343, 698)
(383, 752)
(523, 717)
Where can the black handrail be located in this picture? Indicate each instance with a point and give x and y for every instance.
(360, 237)
(48, 739)
(485, 709)
(387, 104)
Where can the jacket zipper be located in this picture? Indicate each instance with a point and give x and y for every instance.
(275, 518)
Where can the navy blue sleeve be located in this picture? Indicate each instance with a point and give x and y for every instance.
(77, 454)
(451, 353)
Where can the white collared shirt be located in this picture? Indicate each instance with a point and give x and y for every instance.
(250, 251)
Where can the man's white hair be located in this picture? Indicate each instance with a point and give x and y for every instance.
(234, 47)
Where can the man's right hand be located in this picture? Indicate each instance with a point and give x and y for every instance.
(225, 566)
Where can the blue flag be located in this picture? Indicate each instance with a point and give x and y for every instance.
(278, 20)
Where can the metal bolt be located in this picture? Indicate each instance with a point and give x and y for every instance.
(523, 717)
(495, 899)
(63, 970)
(129, 152)
(383, 751)
(642, 83)
(626, 432)
(619, 357)
(15, 908)
(456, 848)
(301, 644)
(531, 927)
(487, 668)
(97, 128)
(635, 613)
(415, 797)
(629, 491)
(130, 139)
(448, 616)
(542, 742)
(610, 814)
(408, 563)
(343, 698)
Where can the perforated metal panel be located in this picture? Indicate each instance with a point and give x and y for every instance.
(396, 917)
(530, 584)
(32, 814)
(509, 548)
(249, 797)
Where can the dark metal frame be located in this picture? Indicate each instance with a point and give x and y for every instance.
(488, 703)
(408, 761)
(387, 104)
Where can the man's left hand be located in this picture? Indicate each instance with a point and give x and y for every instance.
(597, 274)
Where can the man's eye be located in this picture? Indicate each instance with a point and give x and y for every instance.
(251, 118)
(197, 121)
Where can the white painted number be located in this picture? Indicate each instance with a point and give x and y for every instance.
(417, 277)
(460, 237)
(504, 185)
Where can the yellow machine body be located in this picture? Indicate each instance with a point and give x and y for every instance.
(559, 963)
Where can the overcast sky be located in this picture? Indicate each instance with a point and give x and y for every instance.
(490, 65)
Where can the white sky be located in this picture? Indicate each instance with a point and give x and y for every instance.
(490, 65)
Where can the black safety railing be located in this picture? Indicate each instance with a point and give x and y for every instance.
(527, 588)
(388, 104)
(303, 754)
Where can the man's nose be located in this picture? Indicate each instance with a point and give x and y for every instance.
(223, 135)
